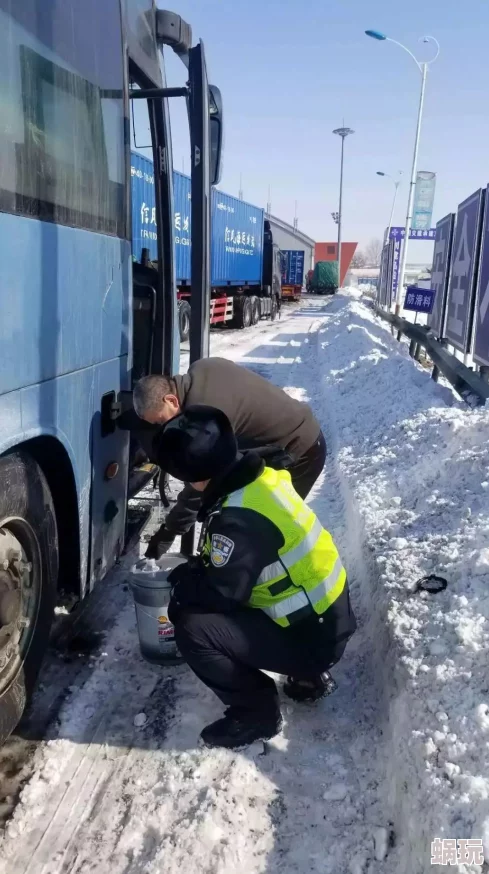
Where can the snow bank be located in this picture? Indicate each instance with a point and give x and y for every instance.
(415, 469)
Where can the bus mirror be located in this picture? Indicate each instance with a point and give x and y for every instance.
(215, 133)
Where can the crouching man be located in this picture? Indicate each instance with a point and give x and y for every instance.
(268, 593)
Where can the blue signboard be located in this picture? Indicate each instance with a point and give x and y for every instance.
(460, 301)
(424, 197)
(481, 315)
(414, 234)
(293, 267)
(419, 300)
(440, 272)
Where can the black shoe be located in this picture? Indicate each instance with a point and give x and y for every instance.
(310, 690)
(238, 728)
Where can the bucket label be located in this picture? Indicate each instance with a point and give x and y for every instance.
(166, 632)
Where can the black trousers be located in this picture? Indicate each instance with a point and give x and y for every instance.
(229, 652)
(306, 469)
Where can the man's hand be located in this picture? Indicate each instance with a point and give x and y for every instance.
(159, 543)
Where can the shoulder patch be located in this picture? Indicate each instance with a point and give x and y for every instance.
(221, 550)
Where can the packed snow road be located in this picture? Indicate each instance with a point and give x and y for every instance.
(363, 781)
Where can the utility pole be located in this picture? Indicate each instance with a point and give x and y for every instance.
(342, 132)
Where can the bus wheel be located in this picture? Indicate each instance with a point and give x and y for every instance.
(28, 581)
(183, 319)
(255, 310)
(242, 312)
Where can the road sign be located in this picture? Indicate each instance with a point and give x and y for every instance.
(419, 300)
(481, 314)
(414, 234)
(460, 300)
(440, 272)
(424, 197)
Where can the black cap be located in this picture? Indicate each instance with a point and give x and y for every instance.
(197, 445)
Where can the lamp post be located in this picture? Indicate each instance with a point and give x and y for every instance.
(396, 183)
(423, 67)
(342, 132)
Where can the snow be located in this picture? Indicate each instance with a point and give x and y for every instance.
(365, 780)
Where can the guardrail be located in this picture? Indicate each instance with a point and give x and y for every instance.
(472, 387)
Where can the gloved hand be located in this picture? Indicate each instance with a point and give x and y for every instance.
(159, 543)
(185, 583)
(185, 571)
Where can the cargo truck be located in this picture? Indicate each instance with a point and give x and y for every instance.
(245, 262)
(324, 278)
(292, 273)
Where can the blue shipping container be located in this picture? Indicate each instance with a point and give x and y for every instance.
(143, 207)
(182, 223)
(236, 229)
(293, 272)
(236, 242)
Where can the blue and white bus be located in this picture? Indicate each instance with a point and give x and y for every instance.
(80, 317)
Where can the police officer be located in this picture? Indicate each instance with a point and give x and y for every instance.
(269, 591)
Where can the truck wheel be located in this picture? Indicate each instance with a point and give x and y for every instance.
(274, 309)
(255, 310)
(242, 312)
(28, 581)
(183, 319)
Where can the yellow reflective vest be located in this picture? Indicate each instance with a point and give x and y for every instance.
(308, 574)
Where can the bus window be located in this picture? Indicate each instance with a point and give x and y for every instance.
(62, 137)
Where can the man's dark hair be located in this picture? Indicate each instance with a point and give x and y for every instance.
(149, 392)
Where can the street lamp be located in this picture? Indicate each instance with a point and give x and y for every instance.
(335, 216)
(342, 132)
(423, 67)
(396, 183)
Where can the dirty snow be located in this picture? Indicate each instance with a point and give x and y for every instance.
(362, 782)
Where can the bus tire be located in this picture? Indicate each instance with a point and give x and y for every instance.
(255, 310)
(183, 320)
(28, 586)
(242, 312)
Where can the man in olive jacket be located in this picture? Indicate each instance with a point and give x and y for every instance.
(262, 416)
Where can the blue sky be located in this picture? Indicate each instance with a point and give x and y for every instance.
(291, 71)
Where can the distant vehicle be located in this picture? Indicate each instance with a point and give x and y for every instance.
(292, 273)
(245, 262)
(324, 279)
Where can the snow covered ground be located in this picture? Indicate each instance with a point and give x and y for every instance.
(364, 781)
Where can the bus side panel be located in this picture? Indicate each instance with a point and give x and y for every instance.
(69, 409)
(109, 447)
(62, 408)
(65, 299)
(66, 334)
